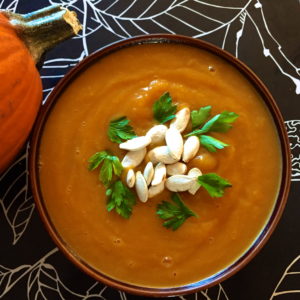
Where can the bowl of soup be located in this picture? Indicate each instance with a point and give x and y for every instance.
(103, 109)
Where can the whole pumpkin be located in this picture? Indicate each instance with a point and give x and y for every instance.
(23, 40)
(20, 92)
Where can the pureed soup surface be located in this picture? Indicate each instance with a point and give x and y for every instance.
(140, 250)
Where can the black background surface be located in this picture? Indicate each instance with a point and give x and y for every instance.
(30, 265)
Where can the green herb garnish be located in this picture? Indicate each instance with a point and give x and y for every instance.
(120, 130)
(200, 116)
(174, 214)
(214, 184)
(219, 123)
(210, 143)
(120, 198)
(163, 109)
(111, 165)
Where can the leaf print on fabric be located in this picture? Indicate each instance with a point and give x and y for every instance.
(15, 197)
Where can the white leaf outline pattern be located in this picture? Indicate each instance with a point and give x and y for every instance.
(252, 10)
(18, 209)
(7, 276)
(293, 130)
(241, 17)
(9, 5)
(221, 294)
(37, 286)
(278, 292)
(60, 66)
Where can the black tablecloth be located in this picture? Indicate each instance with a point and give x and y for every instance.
(265, 35)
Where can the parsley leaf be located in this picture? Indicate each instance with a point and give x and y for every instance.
(106, 172)
(117, 166)
(111, 165)
(121, 199)
(210, 143)
(119, 130)
(214, 184)
(174, 214)
(96, 159)
(163, 108)
(219, 123)
(198, 117)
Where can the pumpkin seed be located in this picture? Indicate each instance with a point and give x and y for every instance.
(130, 178)
(161, 154)
(159, 174)
(179, 183)
(141, 187)
(133, 158)
(174, 142)
(157, 134)
(148, 172)
(178, 168)
(190, 148)
(136, 143)
(181, 119)
(156, 189)
(194, 173)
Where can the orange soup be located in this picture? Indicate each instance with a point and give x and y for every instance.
(139, 250)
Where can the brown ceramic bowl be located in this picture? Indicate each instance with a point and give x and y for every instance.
(261, 238)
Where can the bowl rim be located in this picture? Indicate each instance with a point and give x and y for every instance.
(270, 224)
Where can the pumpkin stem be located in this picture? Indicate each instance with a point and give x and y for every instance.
(41, 30)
